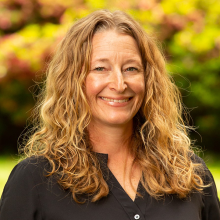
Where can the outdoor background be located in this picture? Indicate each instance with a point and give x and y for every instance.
(189, 32)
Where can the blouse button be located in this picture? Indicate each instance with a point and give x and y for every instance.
(137, 216)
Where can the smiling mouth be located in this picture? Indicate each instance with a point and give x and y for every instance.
(115, 100)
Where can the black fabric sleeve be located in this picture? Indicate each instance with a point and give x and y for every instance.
(211, 209)
(20, 196)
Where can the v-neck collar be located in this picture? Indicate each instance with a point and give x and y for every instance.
(134, 209)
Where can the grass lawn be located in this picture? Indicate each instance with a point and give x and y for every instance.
(8, 162)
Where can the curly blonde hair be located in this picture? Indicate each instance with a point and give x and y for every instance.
(161, 145)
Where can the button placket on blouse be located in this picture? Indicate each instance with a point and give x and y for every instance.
(128, 205)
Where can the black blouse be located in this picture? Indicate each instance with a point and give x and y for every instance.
(29, 195)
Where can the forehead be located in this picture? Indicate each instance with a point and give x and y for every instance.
(113, 41)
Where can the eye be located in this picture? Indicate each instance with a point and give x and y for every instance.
(99, 68)
(130, 69)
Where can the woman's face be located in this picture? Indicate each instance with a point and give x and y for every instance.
(115, 84)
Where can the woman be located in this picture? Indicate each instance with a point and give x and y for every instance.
(110, 142)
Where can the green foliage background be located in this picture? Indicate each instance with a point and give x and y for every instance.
(189, 32)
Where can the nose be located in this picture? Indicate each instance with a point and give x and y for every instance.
(117, 81)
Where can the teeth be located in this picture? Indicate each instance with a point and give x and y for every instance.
(114, 100)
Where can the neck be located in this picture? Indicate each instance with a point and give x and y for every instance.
(111, 140)
(116, 142)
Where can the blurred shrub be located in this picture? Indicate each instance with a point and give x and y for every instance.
(189, 32)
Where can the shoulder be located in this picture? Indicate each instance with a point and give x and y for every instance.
(33, 164)
(197, 159)
(26, 175)
(33, 161)
(203, 170)
(21, 191)
(32, 167)
(210, 198)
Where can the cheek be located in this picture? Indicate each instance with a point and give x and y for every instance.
(139, 86)
(93, 86)
(139, 89)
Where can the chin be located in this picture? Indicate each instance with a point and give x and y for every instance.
(119, 121)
